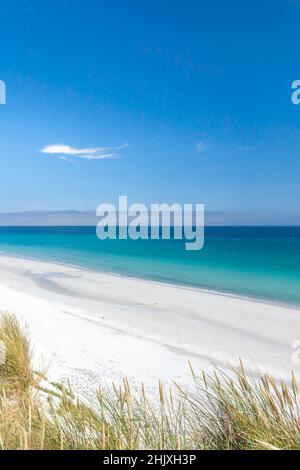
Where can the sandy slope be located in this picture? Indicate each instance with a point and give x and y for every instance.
(94, 327)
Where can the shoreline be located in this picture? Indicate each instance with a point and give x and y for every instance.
(95, 327)
(169, 283)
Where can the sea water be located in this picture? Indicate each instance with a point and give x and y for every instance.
(258, 262)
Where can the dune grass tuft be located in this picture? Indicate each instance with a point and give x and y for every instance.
(15, 366)
(222, 410)
(238, 412)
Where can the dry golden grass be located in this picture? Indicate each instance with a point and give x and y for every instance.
(224, 411)
(238, 412)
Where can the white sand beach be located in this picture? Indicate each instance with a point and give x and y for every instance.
(96, 328)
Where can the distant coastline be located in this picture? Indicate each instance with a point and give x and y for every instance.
(36, 218)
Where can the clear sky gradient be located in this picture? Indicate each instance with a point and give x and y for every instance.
(165, 101)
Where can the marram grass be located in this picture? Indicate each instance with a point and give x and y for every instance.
(222, 411)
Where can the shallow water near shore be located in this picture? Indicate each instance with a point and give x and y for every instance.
(258, 262)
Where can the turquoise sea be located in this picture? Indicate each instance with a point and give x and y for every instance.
(259, 262)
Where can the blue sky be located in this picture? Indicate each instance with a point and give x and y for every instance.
(180, 101)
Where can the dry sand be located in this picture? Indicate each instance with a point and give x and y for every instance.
(95, 328)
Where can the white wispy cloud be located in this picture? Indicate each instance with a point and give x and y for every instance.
(200, 147)
(245, 149)
(65, 159)
(63, 152)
